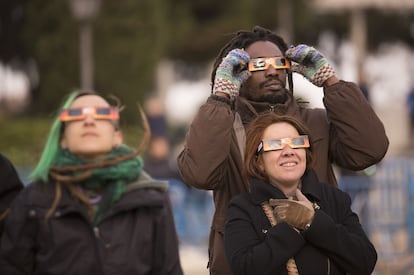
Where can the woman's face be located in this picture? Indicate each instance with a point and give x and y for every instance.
(286, 166)
(90, 138)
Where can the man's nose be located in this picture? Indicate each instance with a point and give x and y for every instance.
(271, 71)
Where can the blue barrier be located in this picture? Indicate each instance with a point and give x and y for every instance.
(385, 204)
(193, 212)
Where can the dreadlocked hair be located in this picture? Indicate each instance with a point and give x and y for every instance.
(244, 39)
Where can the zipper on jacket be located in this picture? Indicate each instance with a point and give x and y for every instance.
(96, 231)
(329, 267)
(272, 108)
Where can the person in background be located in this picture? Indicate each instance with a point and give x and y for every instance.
(10, 186)
(253, 74)
(158, 156)
(289, 222)
(159, 165)
(91, 208)
(191, 206)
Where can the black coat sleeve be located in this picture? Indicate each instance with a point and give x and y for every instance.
(18, 244)
(10, 186)
(337, 232)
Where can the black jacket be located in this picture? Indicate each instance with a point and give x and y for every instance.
(136, 236)
(10, 186)
(334, 244)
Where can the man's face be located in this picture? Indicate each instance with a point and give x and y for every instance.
(267, 85)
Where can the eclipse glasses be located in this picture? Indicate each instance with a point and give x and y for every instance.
(260, 64)
(98, 113)
(266, 145)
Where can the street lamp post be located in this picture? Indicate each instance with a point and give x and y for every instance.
(84, 12)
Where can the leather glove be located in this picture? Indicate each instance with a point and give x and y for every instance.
(310, 63)
(232, 72)
(293, 212)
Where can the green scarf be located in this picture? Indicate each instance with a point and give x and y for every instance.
(112, 180)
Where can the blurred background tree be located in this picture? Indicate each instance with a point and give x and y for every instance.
(130, 37)
(50, 38)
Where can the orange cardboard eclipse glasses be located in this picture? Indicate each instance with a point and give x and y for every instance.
(98, 113)
(278, 144)
(260, 64)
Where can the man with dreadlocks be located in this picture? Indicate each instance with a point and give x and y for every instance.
(249, 77)
(91, 208)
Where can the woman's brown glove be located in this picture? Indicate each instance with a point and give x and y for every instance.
(295, 213)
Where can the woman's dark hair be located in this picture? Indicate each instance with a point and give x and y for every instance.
(244, 39)
(254, 135)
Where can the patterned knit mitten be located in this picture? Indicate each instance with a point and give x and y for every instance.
(231, 73)
(310, 63)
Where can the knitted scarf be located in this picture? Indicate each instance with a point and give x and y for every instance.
(111, 181)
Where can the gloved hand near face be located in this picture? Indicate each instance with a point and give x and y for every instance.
(232, 72)
(298, 214)
(310, 63)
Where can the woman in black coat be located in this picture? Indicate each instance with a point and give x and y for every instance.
(289, 222)
(91, 208)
